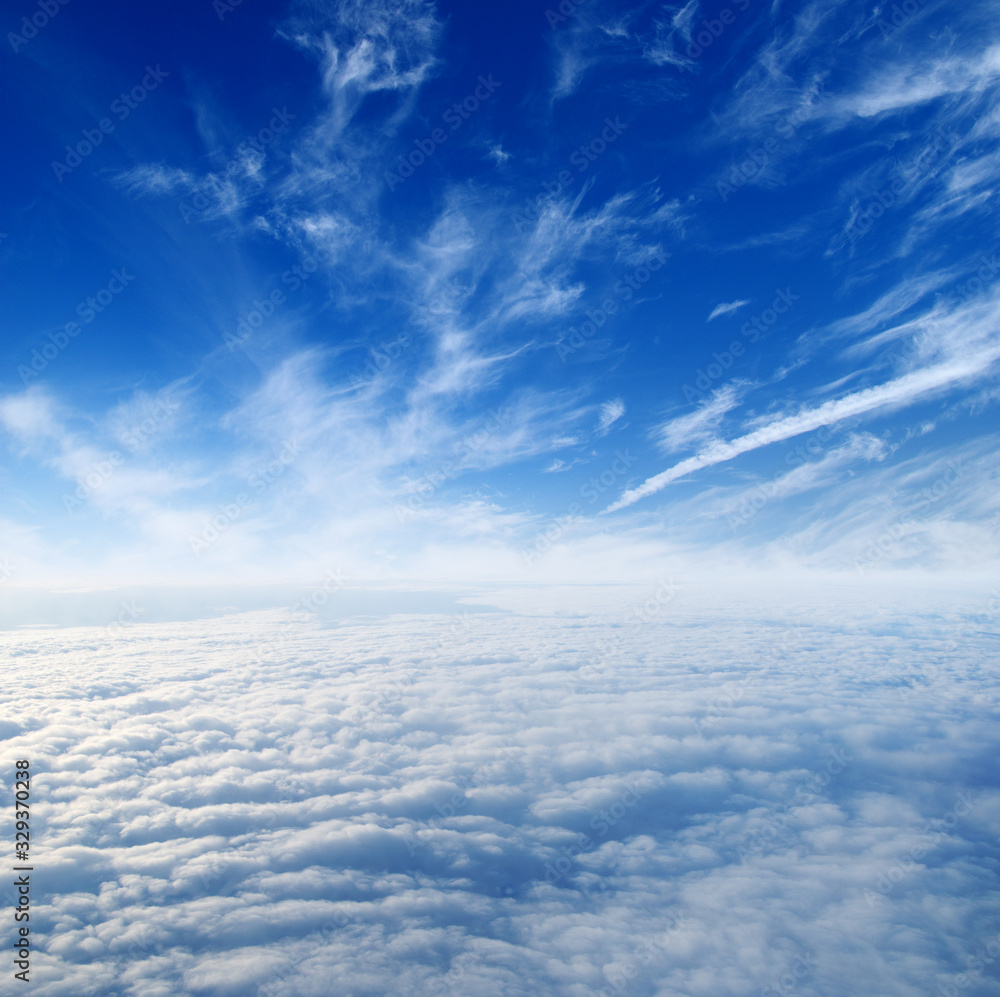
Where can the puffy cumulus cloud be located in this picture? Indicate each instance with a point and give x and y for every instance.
(663, 790)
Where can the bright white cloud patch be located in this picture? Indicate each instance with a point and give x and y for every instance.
(702, 422)
(726, 307)
(655, 790)
(611, 412)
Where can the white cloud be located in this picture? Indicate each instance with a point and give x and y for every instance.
(961, 348)
(673, 38)
(700, 424)
(365, 48)
(889, 305)
(901, 87)
(727, 307)
(611, 412)
(477, 295)
(786, 78)
(557, 464)
(540, 800)
(154, 178)
(30, 416)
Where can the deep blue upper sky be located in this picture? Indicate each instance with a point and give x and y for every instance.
(447, 291)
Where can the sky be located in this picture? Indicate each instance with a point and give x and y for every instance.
(438, 293)
(500, 500)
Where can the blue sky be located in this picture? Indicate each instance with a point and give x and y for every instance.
(451, 292)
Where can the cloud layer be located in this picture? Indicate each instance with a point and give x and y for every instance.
(653, 790)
